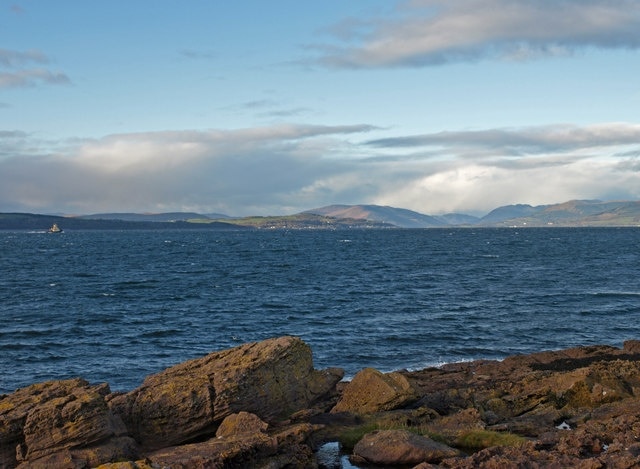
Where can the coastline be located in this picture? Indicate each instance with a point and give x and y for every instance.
(264, 403)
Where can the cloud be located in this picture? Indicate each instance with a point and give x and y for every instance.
(434, 32)
(12, 58)
(523, 141)
(19, 72)
(290, 168)
(483, 169)
(281, 113)
(197, 54)
(269, 108)
(272, 108)
(245, 171)
(478, 188)
(11, 134)
(24, 78)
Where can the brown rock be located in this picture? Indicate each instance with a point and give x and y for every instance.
(142, 464)
(241, 424)
(272, 379)
(253, 393)
(453, 425)
(526, 456)
(371, 391)
(614, 380)
(166, 411)
(534, 423)
(565, 360)
(49, 424)
(400, 447)
(80, 418)
(216, 453)
(114, 449)
(287, 448)
(631, 346)
(15, 407)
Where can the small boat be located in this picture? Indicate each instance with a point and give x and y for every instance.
(54, 229)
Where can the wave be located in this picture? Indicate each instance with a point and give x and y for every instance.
(162, 333)
(616, 294)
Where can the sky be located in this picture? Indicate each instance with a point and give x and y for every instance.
(252, 107)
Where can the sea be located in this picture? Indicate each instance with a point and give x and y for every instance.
(116, 306)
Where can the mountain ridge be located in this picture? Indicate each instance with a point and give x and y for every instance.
(573, 213)
(570, 213)
(400, 217)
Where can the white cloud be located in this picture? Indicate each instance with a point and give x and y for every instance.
(287, 169)
(236, 171)
(432, 32)
(475, 188)
(479, 170)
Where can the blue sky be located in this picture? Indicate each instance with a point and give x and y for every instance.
(256, 108)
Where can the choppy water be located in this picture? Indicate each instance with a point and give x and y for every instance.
(116, 306)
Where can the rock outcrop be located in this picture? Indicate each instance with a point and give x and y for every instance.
(371, 391)
(59, 423)
(285, 447)
(263, 405)
(400, 447)
(272, 379)
(72, 424)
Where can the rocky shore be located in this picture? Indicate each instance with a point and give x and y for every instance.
(263, 405)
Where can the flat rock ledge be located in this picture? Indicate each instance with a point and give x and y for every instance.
(263, 405)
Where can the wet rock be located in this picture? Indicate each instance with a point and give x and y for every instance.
(400, 447)
(371, 391)
(328, 456)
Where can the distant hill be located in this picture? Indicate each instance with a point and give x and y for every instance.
(307, 220)
(573, 213)
(36, 222)
(508, 212)
(398, 217)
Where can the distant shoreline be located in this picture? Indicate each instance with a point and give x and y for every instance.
(574, 214)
